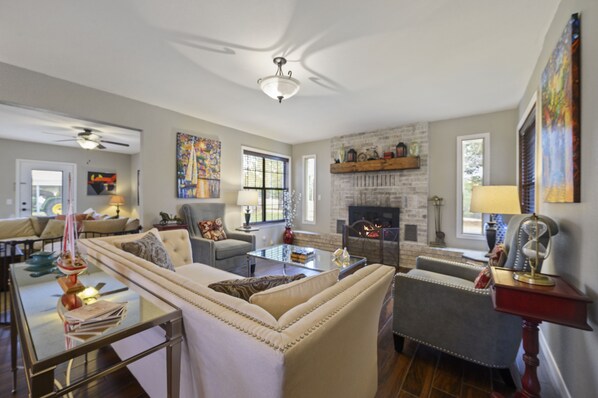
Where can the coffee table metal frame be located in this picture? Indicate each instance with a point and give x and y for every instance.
(40, 372)
(321, 261)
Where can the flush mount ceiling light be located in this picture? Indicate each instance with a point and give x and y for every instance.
(279, 86)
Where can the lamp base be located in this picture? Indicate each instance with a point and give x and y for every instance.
(536, 279)
(247, 218)
(490, 236)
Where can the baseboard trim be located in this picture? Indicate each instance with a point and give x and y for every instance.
(556, 378)
(548, 368)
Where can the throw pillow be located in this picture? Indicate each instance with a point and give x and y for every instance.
(482, 281)
(54, 229)
(212, 229)
(244, 288)
(120, 239)
(280, 299)
(498, 256)
(150, 248)
(39, 224)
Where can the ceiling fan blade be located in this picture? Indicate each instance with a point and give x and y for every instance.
(114, 143)
(58, 134)
(100, 146)
(72, 139)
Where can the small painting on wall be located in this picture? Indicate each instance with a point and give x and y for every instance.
(100, 183)
(561, 147)
(198, 167)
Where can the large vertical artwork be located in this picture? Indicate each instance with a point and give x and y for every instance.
(561, 150)
(100, 183)
(198, 167)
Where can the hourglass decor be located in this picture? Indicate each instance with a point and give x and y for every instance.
(537, 230)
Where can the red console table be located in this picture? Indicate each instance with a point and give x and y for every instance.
(562, 304)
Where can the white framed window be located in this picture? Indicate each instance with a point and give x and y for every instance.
(309, 189)
(473, 168)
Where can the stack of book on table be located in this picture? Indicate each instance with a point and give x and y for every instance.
(302, 254)
(93, 319)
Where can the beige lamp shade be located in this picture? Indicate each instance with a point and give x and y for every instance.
(117, 200)
(247, 198)
(495, 199)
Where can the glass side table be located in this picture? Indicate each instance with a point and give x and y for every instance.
(35, 302)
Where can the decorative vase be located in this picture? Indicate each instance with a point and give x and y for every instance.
(288, 236)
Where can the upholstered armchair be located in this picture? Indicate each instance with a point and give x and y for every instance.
(224, 254)
(437, 305)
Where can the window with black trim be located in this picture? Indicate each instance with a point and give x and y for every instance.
(268, 175)
(527, 163)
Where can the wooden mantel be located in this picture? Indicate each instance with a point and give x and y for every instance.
(404, 163)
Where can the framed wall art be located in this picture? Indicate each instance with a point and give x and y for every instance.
(560, 93)
(198, 167)
(101, 183)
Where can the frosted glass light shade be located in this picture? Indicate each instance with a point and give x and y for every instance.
(279, 87)
(87, 144)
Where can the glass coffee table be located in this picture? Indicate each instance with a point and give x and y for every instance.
(321, 261)
(35, 320)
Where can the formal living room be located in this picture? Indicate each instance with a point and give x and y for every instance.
(288, 199)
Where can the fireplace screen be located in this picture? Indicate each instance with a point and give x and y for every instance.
(378, 244)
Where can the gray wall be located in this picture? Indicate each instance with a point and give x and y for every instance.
(574, 255)
(86, 161)
(158, 126)
(322, 151)
(443, 164)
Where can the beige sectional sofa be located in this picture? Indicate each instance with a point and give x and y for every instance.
(324, 347)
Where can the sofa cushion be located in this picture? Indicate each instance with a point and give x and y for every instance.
(132, 225)
(204, 274)
(54, 229)
(231, 248)
(212, 229)
(105, 226)
(150, 248)
(280, 299)
(39, 223)
(246, 287)
(16, 228)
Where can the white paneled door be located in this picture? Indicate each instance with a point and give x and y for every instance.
(42, 187)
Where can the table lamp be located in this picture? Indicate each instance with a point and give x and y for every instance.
(247, 198)
(117, 200)
(494, 199)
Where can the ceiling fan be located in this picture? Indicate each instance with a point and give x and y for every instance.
(88, 139)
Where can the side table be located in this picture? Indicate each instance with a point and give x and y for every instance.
(169, 227)
(248, 230)
(562, 304)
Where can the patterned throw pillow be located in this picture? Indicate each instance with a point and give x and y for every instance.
(246, 287)
(498, 257)
(482, 281)
(212, 229)
(150, 248)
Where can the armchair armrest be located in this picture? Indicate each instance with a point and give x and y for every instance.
(202, 250)
(455, 319)
(446, 267)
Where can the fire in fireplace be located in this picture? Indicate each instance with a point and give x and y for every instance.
(381, 217)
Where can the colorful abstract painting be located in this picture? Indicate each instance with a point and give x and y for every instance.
(198, 167)
(101, 183)
(561, 150)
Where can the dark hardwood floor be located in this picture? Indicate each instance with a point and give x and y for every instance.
(418, 371)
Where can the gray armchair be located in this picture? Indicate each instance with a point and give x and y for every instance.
(224, 254)
(436, 304)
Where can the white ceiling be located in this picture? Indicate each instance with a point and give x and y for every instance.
(31, 125)
(363, 65)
